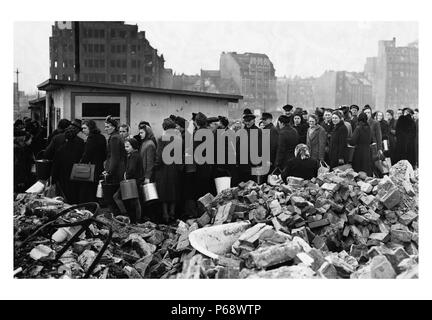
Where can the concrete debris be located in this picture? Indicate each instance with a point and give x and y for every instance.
(341, 224)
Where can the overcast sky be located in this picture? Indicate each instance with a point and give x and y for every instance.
(295, 48)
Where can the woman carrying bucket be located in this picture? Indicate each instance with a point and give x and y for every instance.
(133, 175)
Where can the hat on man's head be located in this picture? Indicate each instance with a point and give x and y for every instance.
(168, 123)
(249, 117)
(201, 119)
(354, 106)
(284, 119)
(344, 109)
(247, 111)
(180, 122)
(319, 111)
(288, 107)
(77, 123)
(304, 112)
(367, 107)
(224, 121)
(212, 119)
(173, 117)
(266, 116)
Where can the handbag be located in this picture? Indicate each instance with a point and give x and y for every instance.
(83, 172)
(323, 168)
(273, 179)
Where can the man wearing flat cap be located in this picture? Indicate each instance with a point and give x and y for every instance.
(267, 119)
(245, 170)
(213, 123)
(289, 111)
(288, 140)
(354, 112)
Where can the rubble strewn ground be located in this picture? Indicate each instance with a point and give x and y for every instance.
(342, 224)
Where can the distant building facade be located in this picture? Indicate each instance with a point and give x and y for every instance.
(336, 88)
(107, 52)
(186, 82)
(254, 75)
(396, 76)
(300, 93)
(21, 102)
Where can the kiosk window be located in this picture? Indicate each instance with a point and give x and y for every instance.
(100, 110)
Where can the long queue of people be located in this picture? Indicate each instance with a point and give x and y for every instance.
(299, 143)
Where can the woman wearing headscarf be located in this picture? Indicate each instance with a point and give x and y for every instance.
(361, 140)
(94, 153)
(338, 140)
(167, 175)
(316, 138)
(67, 155)
(302, 165)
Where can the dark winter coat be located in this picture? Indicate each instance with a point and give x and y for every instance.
(245, 170)
(288, 140)
(338, 144)
(95, 151)
(405, 139)
(274, 136)
(204, 174)
(148, 155)
(316, 141)
(134, 168)
(116, 158)
(361, 140)
(56, 142)
(23, 161)
(66, 156)
(376, 133)
(302, 129)
(301, 168)
(166, 175)
(354, 122)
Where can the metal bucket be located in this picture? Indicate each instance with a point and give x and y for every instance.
(222, 183)
(99, 191)
(261, 174)
(150, 192)
(385, 145)
(43, 169)
(128, 189)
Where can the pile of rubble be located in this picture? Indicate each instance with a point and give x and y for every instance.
(342, 224)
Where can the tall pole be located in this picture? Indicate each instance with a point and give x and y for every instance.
(16, 95)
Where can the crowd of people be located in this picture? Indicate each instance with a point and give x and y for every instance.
(300, 142)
